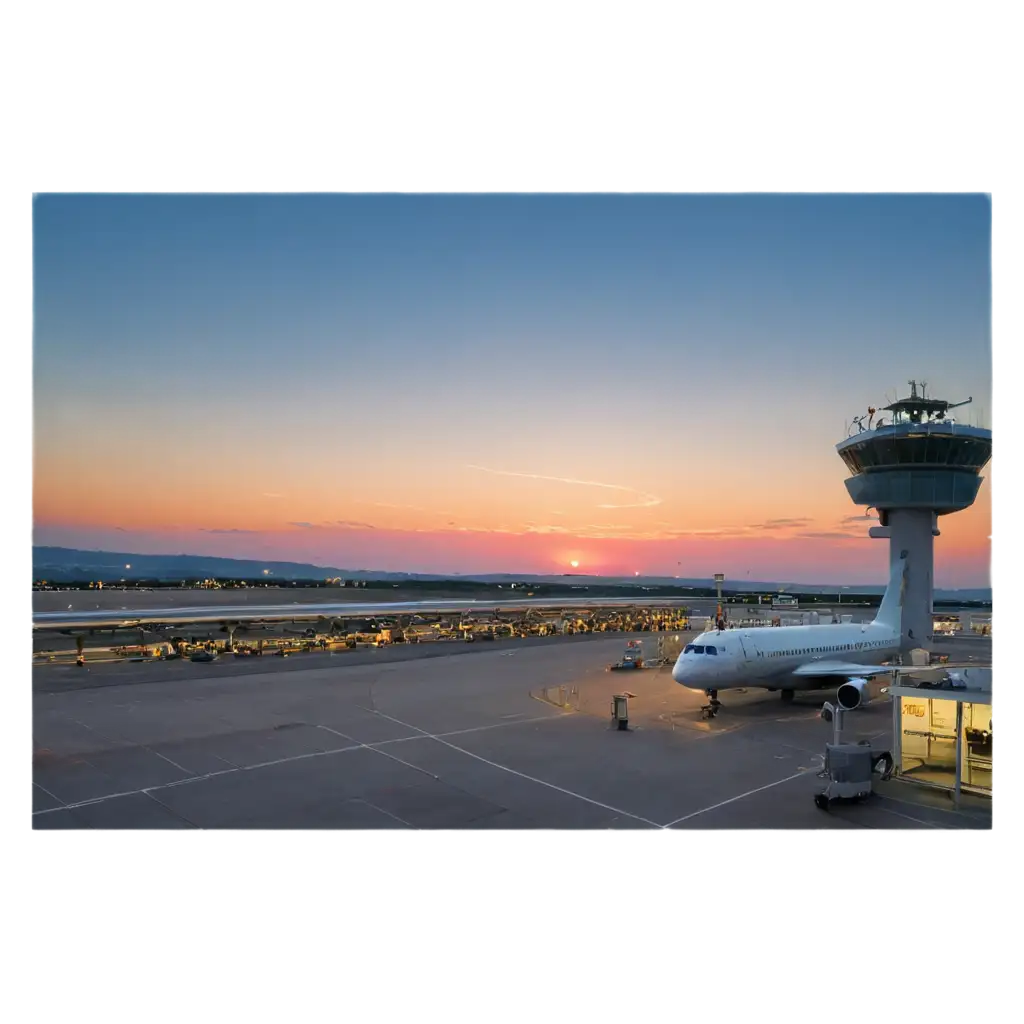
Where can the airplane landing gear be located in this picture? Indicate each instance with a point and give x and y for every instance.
(710, 709)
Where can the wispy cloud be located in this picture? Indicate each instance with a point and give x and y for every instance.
(229, 530)
(120, 529)
(305, 526)
(852, 520)
(350, 524)
(827, 535)
(747, 530)
(645, 500)
(268, 494)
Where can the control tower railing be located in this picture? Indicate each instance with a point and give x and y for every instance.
(915, 410)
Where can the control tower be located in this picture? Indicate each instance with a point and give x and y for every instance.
(912, 468)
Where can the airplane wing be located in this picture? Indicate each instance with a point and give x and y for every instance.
(851, 670)
(840, 668)
(110, 618)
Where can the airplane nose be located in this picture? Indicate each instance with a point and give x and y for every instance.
(678, 672)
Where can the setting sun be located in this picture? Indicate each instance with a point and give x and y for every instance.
(574, 563)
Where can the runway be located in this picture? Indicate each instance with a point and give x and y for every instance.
(512, 736)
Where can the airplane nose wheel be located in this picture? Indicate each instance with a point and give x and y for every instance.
(710, 709)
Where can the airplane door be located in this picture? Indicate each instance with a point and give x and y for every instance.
(748, 647)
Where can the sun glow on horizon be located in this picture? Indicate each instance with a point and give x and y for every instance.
(459, 477)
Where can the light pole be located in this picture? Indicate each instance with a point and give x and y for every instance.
(719, 580)
(841, 589)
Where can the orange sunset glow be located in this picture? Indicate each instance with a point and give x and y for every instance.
(522, 413)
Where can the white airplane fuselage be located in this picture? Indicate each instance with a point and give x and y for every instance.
(769, 657)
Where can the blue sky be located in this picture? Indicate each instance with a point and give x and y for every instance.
(589, 337)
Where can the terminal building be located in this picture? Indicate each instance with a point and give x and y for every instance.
(913, 468)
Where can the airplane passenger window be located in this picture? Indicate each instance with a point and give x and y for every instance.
(710, 650)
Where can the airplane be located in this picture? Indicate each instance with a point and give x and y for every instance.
(791, 658)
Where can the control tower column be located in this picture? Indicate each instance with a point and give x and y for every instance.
(919, 465)
(911, 537)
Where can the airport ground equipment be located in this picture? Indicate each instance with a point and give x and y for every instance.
(712, 707)
(851, 768)
(633, 658)
(848, 769)
(620, 710)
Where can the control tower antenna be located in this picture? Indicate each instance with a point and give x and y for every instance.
(919, 409)
(917, 467)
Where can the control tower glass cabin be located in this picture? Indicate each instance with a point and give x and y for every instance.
(913, 466)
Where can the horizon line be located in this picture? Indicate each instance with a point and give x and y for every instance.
(776, 584)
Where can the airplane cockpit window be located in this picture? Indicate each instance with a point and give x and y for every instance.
(688, 649)
(698, 648)
(710, 650)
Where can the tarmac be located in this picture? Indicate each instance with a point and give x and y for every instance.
(509, 735)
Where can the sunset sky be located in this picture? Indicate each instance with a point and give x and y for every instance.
(480, 383)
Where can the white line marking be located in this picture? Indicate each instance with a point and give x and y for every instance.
(141, 745)
(92, 800)
(522, 775)
(200, 778)
(285, 760)
(920, 821)
(303, 757)
(363, 800)
(459, 732)
(53, 796)
(171, 811)
(169, 761)
(366, 746)
(732, 800)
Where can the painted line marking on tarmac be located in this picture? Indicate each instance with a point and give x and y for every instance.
(366, 746)
(363, 800)
(732, 800)
(283, 760)
(169, 761)
(52, 796)
(920, 821)
(522, 775)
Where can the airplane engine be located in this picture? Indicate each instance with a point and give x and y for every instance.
(854, 693)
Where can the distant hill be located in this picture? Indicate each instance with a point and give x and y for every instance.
(59, 564)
